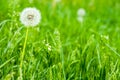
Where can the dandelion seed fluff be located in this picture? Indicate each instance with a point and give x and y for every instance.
(81, 12)
(30, 17)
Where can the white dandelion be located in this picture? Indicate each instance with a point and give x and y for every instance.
(30, 17)
(80, 14)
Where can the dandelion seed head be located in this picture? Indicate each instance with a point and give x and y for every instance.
(81, 12)
(30, 17)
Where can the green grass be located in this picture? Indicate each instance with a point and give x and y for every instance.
(87, 51)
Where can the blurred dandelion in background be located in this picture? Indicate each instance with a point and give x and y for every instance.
(30, 17)
(80, 14)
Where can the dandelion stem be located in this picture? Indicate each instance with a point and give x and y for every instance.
(22, 54)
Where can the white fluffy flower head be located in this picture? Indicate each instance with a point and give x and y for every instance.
(30, 17)
(81, 12)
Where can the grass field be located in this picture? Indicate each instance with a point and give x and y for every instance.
(60, 47)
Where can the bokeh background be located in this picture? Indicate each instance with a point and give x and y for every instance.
(60, 47)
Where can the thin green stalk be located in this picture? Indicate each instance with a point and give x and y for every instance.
(22, 55)
(2, 65)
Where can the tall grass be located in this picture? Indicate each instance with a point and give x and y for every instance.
(61, 48)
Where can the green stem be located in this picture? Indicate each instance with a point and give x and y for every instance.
(22, 55)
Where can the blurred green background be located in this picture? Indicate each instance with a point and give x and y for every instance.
(79, 51)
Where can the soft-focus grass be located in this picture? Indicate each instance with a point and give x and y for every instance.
(90, 51)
